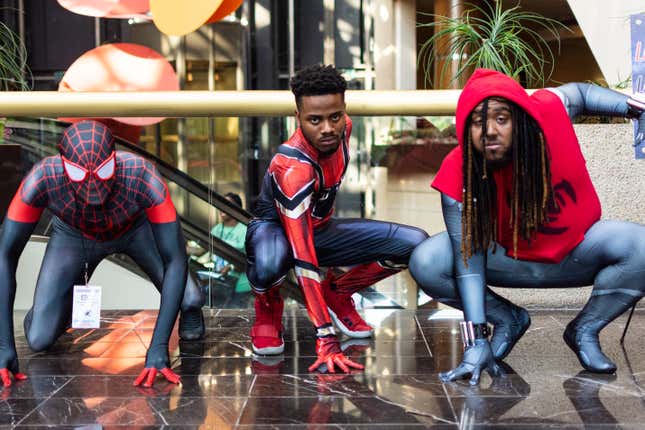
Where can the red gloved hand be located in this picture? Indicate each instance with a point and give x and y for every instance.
(6, 379)
(9, 363)
(329, 353)
(147, 376)
(156, 362)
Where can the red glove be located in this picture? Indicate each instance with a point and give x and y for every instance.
(149, 373)
(329, 353)
(6, 379)
(156, 362)
(9, 365)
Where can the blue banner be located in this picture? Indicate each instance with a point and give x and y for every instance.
(638, 67)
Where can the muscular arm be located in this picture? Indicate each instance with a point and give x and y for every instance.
(471, 278)
(588, 99)
(471, 283)
(171, 245)
(293, 188)
(172, 248)
(17, 228)
(170, 242)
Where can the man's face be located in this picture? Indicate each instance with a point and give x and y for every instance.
(322, 121)
(495, 141)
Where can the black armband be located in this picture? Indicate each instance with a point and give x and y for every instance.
(470, 332)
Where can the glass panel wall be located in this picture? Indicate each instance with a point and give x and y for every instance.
(393, 161)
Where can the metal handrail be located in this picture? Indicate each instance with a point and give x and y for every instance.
(216, 103)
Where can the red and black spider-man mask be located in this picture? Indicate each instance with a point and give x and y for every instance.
(89, 160)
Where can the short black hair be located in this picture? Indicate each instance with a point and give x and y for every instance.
(235, 198)
(317, 80)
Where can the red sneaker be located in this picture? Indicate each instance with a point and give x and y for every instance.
(343, 313)
(266, 333)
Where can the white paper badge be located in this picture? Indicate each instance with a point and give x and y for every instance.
(86, 309)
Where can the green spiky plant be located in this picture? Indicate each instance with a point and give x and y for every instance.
(13, 65)
(13, 61)
(505, 40)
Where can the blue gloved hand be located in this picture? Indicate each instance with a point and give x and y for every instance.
(477, 357)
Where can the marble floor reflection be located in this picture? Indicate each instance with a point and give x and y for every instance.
(86, 379)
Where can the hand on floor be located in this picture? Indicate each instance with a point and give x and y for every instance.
(156, 362)
(330, 354)
(148, 375)
(8, 366)
(477, 357)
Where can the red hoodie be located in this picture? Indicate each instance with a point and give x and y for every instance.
(578, 204)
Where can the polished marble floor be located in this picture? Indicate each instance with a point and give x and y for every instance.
(85, 381)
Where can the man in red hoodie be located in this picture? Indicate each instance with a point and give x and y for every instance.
(521, 211)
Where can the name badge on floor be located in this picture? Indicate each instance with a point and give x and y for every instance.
(86, 308)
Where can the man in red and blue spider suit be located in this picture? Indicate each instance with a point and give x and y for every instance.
(294, 227)
(103, 202)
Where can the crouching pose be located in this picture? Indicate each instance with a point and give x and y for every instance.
(103, 202)
(294, 227)
(521, 211)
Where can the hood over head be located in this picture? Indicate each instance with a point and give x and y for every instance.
(485, 83)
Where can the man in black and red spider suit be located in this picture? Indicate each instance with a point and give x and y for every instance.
(294, 227)
(103, 202)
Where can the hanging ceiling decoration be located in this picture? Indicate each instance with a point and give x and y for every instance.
(121, 67)
(108, 8)
(177, 20)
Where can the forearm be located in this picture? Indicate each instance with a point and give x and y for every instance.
(172, 293)
(171, 246)
(469, 275)
(299, 231)
(314, 301)
(7, 295)
(588, 99)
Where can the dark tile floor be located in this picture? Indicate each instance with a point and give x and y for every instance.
(86, 380)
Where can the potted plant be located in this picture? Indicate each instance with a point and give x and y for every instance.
(13, 65)
(510, 40)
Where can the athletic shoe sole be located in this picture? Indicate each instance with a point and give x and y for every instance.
(269, 350)
(342, 327)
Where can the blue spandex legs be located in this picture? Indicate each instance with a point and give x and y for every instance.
(341, 242)
(611, 258)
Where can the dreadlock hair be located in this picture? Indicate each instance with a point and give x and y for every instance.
(531, 194)
(317, 80)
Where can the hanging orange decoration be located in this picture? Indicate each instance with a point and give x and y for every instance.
(176, 19)
(226, 8)
(121, 67)
(108, 8)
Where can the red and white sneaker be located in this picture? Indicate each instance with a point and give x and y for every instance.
(266, 333)
(343, 312)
